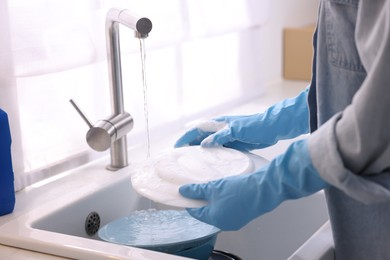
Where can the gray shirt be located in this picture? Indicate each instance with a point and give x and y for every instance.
(349, 102)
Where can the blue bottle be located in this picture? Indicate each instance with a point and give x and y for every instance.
(7, 193)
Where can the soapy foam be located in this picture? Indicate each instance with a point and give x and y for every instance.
(211, 126)
(200, 165)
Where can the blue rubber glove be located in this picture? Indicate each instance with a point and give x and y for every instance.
(235, 201)
(284, 120)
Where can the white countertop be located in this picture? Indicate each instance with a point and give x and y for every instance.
(40, 193)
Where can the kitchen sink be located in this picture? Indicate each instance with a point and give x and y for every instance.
(67, 223)
(61, 218)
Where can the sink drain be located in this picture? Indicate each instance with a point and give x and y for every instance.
(92, 223)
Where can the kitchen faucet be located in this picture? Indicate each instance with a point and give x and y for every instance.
(111, 132)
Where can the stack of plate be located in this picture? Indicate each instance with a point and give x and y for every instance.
(159, 179)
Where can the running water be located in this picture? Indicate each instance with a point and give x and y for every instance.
(145, 88)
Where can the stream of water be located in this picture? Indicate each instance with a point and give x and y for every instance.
(145, 89)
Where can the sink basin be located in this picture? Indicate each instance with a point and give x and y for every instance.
(109, 203)
(58, 227)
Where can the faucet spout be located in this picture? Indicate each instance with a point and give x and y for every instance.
(141, 25)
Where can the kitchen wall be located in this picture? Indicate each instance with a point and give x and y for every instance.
(200, 56)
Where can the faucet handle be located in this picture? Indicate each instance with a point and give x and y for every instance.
(81, 113)
(104, 133)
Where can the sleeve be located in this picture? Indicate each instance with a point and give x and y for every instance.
(351, 151)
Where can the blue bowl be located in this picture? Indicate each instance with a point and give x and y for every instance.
(201, 252)
(168, 231)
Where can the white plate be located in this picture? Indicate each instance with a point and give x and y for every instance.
(159, 179)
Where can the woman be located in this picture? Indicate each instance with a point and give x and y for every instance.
(346, 108)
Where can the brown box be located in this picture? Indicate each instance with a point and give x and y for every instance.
(298, 52)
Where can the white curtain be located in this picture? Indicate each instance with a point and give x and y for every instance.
(51, 51)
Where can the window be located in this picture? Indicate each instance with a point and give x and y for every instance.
(198, 58)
